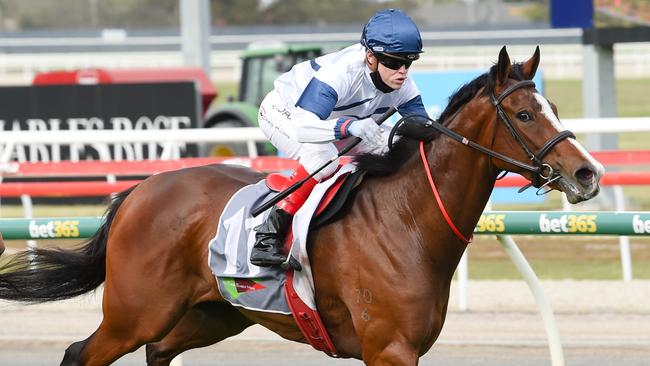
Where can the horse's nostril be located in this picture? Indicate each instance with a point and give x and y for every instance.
(585, 175)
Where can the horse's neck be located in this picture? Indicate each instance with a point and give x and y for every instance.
(462, 177)
(465, 177)
(403, 207)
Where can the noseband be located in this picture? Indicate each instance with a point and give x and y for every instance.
(543, 174)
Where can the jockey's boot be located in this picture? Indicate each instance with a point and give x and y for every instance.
(269, 237)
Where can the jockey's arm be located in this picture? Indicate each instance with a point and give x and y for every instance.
(310, 128)
(312, 111)
(413, 107)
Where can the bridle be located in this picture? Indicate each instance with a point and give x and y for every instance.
(543, 174)
(539, 167)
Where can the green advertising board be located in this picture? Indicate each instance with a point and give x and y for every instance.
(490, 223)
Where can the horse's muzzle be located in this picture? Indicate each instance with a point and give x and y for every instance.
(583, 183)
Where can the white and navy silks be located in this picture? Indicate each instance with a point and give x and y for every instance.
(312, 105)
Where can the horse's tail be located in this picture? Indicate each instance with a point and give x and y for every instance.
(41, 275)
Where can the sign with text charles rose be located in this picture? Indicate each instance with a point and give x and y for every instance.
(96, 107)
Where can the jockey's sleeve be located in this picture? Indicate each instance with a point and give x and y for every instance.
(312, 109)
(413, 106)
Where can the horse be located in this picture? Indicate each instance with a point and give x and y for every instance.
(382, 269)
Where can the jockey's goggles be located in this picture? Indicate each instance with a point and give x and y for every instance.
(396, 61)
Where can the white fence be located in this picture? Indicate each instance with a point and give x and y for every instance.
(14, 143)
(130, 144)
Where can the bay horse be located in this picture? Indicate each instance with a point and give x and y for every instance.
(382, 270)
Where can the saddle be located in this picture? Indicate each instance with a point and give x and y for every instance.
(332, 206)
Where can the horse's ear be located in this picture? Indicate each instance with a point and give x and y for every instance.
(503, 69)
(529, 67)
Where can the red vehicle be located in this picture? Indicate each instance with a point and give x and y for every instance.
(113, 76)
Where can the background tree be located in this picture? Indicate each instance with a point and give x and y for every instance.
(235, 12)
(76, 14)
(317, 12)
(139, 14)
(134, 14)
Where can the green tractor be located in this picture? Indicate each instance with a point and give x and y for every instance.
(261, 66)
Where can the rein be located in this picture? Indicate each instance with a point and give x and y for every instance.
(450, 222)
(538, 168)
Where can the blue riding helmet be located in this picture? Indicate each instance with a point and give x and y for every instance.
(392, 31)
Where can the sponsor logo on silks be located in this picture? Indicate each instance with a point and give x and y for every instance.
(238, 286)
(568, 224)
(639, 225)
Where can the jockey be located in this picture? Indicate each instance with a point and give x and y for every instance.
(330, 98)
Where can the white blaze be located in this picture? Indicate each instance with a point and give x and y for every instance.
(547, 111)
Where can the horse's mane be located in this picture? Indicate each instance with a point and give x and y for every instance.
(414, 130)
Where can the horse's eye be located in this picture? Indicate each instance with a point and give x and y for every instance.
(523, 116)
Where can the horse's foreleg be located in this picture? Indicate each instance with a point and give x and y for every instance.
(203, 325)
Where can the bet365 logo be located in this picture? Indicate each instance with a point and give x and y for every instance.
(54, 229)
(639, 225)
(568, 224)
